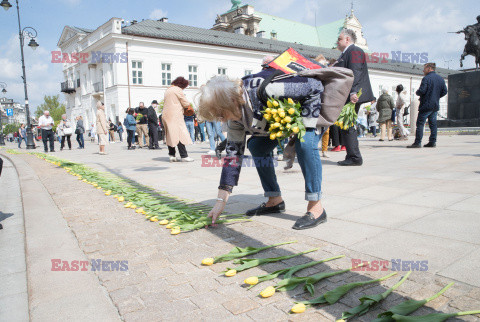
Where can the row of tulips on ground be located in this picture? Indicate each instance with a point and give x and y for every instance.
(289, 282)
(180, 216)
(176, 214)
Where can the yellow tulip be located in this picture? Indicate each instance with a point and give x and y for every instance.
(267, 117)
(279, 134)
(268, 110)
(133, 207)
(278, 119)
(163, 222)
(276, 124)
(295, 129)
(290, 101)
(287, 119)
(273, 136)
(231, 272)
(274, 111)
(269, 104)
(169, 226)
(121, 199)
(154, 219)
(275, 103)
(207, 261)
(175, 231)
(139, 210)
(99, 187)
(269, 291)
(251, 280)
(291, 111)
(298, 308)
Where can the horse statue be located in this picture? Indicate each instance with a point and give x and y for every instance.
(472, 47)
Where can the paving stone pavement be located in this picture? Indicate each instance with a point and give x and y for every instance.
(165, 281)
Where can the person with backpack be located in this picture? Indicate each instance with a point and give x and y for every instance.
(112, 129)
(131, 126)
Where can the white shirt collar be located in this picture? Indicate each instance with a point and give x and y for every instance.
(343, 52)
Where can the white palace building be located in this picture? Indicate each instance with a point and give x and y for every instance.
(123, 64)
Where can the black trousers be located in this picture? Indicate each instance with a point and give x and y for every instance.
(153, 134)
(351, 141)
(130, 137)
(181, 149)
(336, 136)
(47, 135)
(62, 142)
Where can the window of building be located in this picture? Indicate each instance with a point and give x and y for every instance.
(137, 73)
(192, 75)
(222, 71)
(166, 74)
(248, 72)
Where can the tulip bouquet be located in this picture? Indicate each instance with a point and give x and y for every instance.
(284, 119)
(348, 115)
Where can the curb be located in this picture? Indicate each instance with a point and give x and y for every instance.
(56, 295)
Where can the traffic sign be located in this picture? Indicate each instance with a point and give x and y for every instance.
(9, 111)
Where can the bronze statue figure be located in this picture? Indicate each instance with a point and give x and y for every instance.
(472, 47)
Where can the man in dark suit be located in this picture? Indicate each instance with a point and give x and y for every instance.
(431, 90)
(353, 58)
(152, 120)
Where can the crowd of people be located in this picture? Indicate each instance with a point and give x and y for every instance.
(235, 107)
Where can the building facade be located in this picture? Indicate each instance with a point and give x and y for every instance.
(123, 65)
(19, 114)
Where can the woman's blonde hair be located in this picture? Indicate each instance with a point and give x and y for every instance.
(100, 105)
(219, 95)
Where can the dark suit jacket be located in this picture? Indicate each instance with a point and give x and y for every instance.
(152, 116)
(354, 59)
(431, 89)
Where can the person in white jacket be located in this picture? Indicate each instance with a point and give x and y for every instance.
(400, 106)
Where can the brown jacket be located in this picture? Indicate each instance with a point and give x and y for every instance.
(172, 117)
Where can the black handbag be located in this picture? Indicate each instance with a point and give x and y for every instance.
(406, 111)
(77, 131)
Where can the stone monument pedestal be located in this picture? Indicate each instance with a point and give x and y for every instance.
(463, 99)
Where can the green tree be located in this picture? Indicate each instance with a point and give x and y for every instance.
(11, 128)
(53, 105)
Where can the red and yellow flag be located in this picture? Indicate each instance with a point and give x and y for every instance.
(290, 61)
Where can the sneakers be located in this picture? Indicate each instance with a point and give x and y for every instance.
(344, 148)
(187, 159)
(280, 157)
(337, 148)
(325, 155)
(211, 152)
(173, 159)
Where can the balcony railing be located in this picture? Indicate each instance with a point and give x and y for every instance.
(98, 87)
(67, 87)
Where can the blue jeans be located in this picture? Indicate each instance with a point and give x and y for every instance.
(202, 131)
(20, 139)
(191, 129)
(80, 140)
(214, 128)
(308, 156)
(432, 123)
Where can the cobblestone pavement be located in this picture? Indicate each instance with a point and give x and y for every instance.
(164, 280)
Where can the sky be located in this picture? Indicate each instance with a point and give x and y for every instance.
(409, 26)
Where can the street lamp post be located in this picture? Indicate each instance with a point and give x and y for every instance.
(4, 91)
(27, 32)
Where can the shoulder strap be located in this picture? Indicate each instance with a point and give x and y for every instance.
(261, 93)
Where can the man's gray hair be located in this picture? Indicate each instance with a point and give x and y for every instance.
(350, 33)
(384, 91)
(267, 59)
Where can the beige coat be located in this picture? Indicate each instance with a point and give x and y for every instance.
(101, 122)
(172, 117)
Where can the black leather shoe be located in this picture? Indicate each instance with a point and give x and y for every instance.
(264, 210)
(349, 162)
(309, 221)
(414, 146)
(430, 145)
